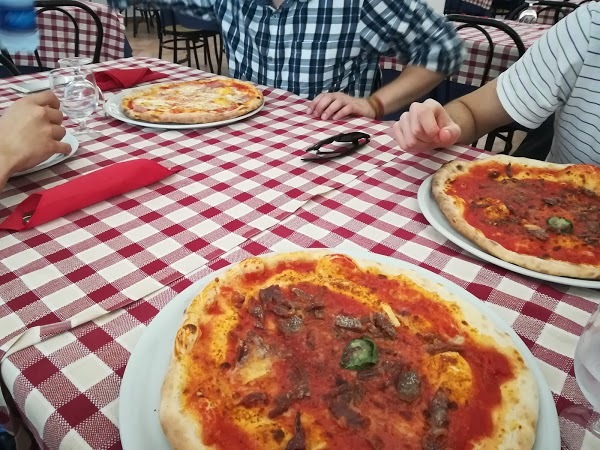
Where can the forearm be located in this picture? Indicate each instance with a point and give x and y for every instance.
(478, 113)
(413, 83)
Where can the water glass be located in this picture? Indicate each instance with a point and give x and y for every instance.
(76, 89)
(579, 423)
(530, 14)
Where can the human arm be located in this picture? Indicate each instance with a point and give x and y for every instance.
(30, 132)
(425, 42)
(528, 92)
(428, 125)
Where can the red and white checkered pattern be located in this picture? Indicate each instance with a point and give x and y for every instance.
(67, 387)
(57, 35)
(477, 50)
(238, 180)
(485, 4)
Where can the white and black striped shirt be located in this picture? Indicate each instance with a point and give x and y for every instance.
(561, 73)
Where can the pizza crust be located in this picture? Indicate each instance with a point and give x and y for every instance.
(515, 419)
(453, 210)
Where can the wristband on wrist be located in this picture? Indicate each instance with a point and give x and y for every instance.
(376, 105)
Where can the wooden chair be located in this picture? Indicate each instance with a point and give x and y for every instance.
(181, 32)
(478, 23)
(8, 68)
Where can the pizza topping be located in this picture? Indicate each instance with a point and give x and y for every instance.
(359, 354)
(437, 420)
(509, 173)
(349, 323)
(552, 201)
(278, 435)
(339, 404)
(560, 224)
(254, 399)
(436, 344)
(300, 389)
(382, 322)
(408, 386)
(291, 325)
(298, 441)
(536, 231)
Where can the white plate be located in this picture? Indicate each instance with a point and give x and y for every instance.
(437, 219)
(139, 397)
(54, 159)
(113, 108)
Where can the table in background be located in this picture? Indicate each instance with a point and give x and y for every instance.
(57, 35)
(243, 191)
(477, 48)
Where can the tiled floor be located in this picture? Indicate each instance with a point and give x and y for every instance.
(146, 44)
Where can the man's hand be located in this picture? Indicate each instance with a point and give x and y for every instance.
(30, 132)
(336, 106)
(426, 126)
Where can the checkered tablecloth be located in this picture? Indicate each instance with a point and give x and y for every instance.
(57, 35)
(485, 4)
(237, 181)
(243, 191)
(477, 50)
(66, 387)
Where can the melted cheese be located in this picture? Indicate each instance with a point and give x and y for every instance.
(452, 371)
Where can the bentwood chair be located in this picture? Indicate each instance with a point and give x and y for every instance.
(7, 68)
(63, 11)
(548, 11)
(182, 32)
(480, 24)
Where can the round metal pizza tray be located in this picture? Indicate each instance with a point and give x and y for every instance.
(139, 397)
(112, 106)
(437, 219)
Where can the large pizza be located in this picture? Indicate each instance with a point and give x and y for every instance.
(316, 350)
(192, 102)
(539, 215)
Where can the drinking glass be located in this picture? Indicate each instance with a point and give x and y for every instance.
(77, 62)
(575, 420)
(530, 14)
(76, 89)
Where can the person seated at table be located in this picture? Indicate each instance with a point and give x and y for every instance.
(559, 74)
(328, 51)
(30, 132)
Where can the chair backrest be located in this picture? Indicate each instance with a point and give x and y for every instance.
(549, 11)
(480, 24)
(8, 67)
(67, 13)
(173, 19)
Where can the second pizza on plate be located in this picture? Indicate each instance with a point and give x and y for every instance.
(538, 215)
(192, 102)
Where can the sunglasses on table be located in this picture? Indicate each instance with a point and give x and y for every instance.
(355, 139)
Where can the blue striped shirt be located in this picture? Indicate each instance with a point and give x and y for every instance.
(313, 46)
(561, 73)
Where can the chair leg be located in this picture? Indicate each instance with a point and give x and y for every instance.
(207, 57)
(489, 142)
(135, 24)
(188, 51)
(147, 17)
(196, 55)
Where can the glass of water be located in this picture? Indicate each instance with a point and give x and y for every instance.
(530, 14)
(76, 89)
(580, 425)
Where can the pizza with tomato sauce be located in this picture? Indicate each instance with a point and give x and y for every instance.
(189, 102)
(539, 215)
(317, 350)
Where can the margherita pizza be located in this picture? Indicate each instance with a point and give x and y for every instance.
(313, 350)
(188, 102)
(539, 215)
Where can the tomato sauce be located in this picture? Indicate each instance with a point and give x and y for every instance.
(522, 227)
(315, 350)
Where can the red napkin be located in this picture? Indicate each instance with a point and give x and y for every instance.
(85, 190)
(125, 78)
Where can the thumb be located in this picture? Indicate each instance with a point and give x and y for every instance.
(449, 135)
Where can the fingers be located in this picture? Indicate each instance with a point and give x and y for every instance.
(57, 132)
(346, 111)
(45, 98)
(321, 103)
(449, 135)
(62, 147)
(335, 106)
(55, 116)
